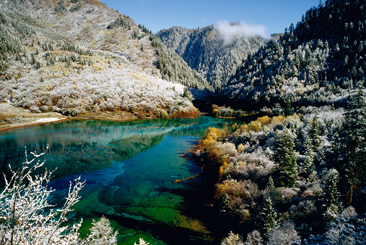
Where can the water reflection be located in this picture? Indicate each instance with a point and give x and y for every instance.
(81, 146)
(129, 169)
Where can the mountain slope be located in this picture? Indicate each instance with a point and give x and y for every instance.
(81, 56)
(207, 51)
(316, 63)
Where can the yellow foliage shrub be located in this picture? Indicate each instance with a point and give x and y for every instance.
(234, 127)
(208, 143)
(243, 128)
(216, 133)
(264, 120)
(221, 171)
(240, 148)
(257, 125)
(254, 126)
(226, 187)
(244, 214)
(276, 120)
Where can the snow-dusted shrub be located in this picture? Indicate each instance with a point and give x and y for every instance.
(316, 189)
(102, 233)
(232, 239)
(304, 208)
(141, 242)
(228, 149)
(286, 234)
(349, 213)
(289, 192)
(28, 218)
(254, 238)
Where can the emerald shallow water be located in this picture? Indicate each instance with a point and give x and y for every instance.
(129, 169)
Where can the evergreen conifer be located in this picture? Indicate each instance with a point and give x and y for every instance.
(350, 146)
(268, 217)
(314, 133)
(284, 156)
(331, 194)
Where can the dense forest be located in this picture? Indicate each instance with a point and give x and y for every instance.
(295, 175)
(318, 62)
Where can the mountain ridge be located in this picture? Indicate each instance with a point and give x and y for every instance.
(206, 51)
(318, 62)
(77, 57)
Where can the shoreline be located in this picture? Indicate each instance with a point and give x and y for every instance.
(37, 122)
(25, 118)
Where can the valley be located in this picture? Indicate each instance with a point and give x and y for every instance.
(278, 153)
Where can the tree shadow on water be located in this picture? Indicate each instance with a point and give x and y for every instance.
(161, 231)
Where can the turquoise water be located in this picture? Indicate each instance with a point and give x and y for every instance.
(129, 169)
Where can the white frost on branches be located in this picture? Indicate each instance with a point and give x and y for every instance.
(26, 217)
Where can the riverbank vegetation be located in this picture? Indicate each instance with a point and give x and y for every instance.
(300, 174)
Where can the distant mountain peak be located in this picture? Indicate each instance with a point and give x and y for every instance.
(206, 50)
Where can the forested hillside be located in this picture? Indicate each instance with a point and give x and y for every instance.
(297, 174)
(78, 57)
(317, 62)
(206, 51)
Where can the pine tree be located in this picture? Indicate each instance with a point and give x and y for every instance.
(314, 133)
(331, 204)
(284, 156)
(268, 217)
(288, 107)
(308, 166)
(350, 145)
(270, 184)
(331, 194)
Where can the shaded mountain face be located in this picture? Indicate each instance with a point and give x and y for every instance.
(318, 62)
(76, 56)
(209, 52)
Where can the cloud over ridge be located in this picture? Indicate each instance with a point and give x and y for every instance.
(229, 31)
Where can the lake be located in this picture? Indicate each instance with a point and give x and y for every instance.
(129, 169)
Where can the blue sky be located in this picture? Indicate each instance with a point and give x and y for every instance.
(274, 15)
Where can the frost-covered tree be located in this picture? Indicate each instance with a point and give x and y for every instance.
(284, 156)
(267, 219)
(351, 144)
(331, 193)
(331, 197)
(102, 233)
(28, 218)
(314, 133)
(308, 166)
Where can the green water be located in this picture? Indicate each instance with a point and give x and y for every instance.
(130, 169)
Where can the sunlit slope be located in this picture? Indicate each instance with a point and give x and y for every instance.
(81, 56)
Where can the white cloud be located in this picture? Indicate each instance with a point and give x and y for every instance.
(228, 31)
